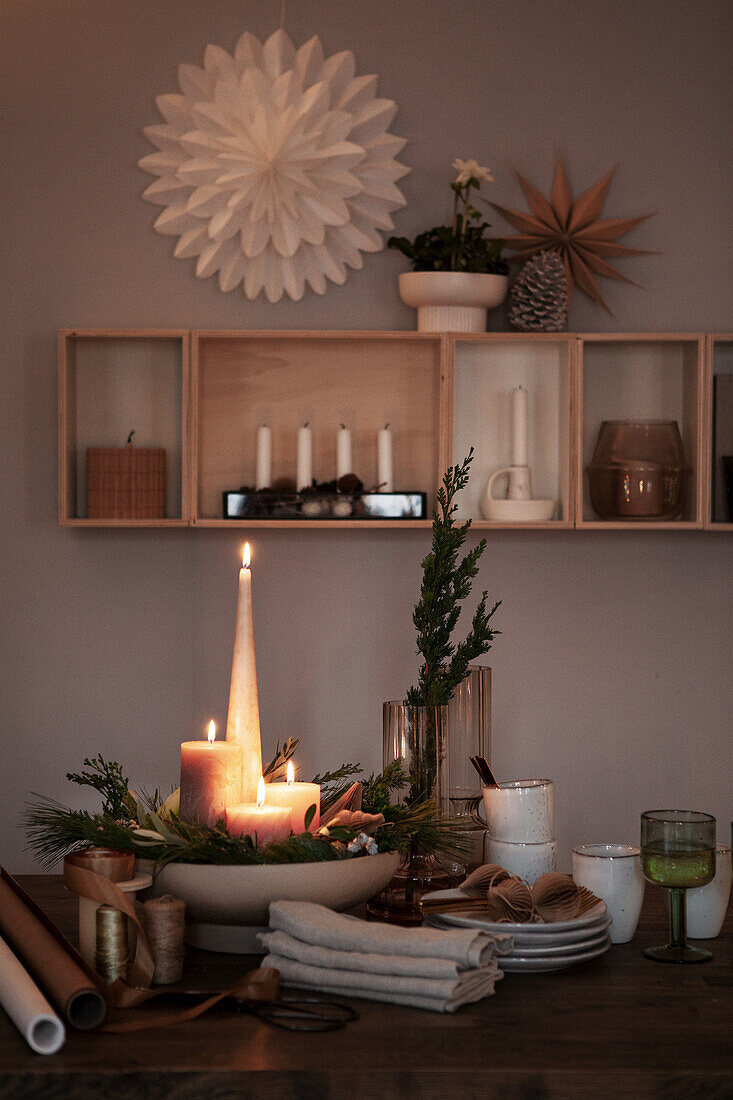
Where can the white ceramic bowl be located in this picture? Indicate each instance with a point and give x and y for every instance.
(220, 894)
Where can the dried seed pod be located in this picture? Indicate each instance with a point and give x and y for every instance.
(556, 897)
(518, 897)
(483, 879)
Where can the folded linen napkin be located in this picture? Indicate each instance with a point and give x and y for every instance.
(438, 995)
(315, 924)
(315, 948)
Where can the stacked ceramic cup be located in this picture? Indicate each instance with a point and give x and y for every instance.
(520, 821)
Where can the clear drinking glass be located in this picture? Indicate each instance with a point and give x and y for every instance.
(678, 851)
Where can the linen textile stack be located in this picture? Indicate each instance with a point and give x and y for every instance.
(315, 948)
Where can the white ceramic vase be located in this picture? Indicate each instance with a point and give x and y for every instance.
(452, 301)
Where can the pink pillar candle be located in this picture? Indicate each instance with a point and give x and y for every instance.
(211, 776)
(269, 823)
(299, 797)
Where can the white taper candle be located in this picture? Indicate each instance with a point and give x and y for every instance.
(304, 472)
(263, 468)
(519, 427)
(384, 460)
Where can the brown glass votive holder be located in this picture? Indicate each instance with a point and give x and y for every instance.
(638, 470)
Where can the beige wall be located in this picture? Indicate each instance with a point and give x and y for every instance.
(613, 671)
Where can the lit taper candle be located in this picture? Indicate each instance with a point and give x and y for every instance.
(243, 717)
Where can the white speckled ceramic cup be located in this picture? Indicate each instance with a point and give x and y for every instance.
(707, 905)
(528, 861)
(613, 873)
(523, 810)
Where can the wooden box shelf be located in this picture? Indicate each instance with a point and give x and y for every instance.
(719, 431)
(110, 383)
(483, 372)
(203, 395)
(641, 377)
(365, 380)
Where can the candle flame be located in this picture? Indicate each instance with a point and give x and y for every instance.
(261, 792)
(212, 732)
(290, 773)
(245, 556)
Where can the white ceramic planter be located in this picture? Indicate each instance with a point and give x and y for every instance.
(452, 301)
(226, 906)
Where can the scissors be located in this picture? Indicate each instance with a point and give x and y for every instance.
(300, 1013)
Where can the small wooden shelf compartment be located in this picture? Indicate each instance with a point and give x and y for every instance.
(641, 377)
(719, 389)
(364, 380)
(112, 382)
(483, 372)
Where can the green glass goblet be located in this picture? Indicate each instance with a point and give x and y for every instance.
(678, 851)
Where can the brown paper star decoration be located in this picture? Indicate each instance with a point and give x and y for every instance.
(574, 228)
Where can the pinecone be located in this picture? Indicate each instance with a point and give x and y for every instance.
(538, 300)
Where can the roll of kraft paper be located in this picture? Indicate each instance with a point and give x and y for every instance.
(51, 960)
(26, 1006)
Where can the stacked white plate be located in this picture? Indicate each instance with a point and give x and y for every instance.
(537, 947)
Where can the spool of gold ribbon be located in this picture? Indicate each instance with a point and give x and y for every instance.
(113, 951)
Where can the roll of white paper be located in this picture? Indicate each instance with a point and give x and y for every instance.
(343, 452)
(263, 470)
(27, 1007)
(384, 460)
(304, 474)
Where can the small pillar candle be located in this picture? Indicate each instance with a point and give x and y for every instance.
(384, 460)
(263, 467)
(299, 797)
(344, 464)
(211, 776)
(269, 823)
(519, 427)
(304, 471)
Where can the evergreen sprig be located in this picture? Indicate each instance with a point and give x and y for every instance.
(108, 778)
(446, 582)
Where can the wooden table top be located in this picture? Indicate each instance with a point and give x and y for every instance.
(618, 1026)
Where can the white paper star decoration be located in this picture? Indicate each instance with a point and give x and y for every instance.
(275, 166)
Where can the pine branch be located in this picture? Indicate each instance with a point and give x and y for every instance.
(107, 778)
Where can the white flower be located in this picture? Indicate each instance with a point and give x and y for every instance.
(469, 169)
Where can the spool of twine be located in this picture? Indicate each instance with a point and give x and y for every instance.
(163, 921)
(113, 951)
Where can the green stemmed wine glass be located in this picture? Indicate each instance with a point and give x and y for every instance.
(678, 851)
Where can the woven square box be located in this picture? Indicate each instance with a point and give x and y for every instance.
(125, 483)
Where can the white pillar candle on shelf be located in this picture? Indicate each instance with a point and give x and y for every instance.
(304, 472)
(299, 797)
(343, 452)
(243, 716)
(211, 776)
(519, 427)
(269, 823)
(263, 468)
(384, 460)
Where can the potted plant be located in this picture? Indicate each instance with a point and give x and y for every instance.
(457, 271)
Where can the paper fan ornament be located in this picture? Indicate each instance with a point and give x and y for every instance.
(275, 166)
(574, 229)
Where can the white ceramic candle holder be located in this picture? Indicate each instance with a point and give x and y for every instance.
(518, 507)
